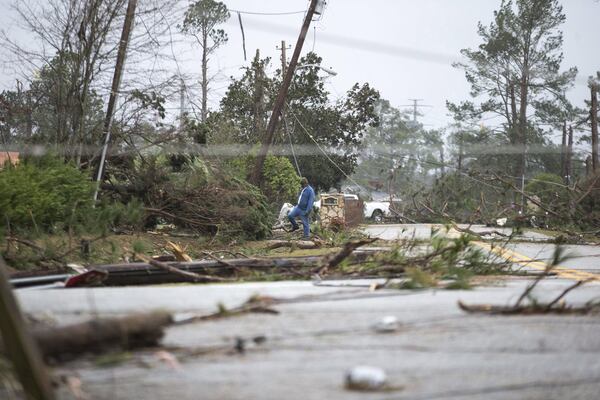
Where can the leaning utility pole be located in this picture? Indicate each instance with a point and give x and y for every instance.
(594, 121)
(256, 177)
(114, 91)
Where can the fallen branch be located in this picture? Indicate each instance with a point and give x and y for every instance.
(251, 306)
(553, 307)
(191, 276)
(139, 330)
(299, 244)
(525, 310)
(346, 251)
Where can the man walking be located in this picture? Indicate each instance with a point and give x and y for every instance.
(303, 208)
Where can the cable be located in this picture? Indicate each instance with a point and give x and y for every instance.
(291, 145)
(267, 13)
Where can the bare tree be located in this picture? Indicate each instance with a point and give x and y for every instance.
(66, 50)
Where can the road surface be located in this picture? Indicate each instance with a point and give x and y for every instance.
(438, 351)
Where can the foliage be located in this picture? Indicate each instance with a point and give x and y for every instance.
(517, 67)
(312, 120)
(282, 183)
(550, 190)
(43, 195)
(47, 195)
(197, 196)
(202, 18)
(151, 101)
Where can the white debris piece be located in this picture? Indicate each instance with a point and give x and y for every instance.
(387, 324)
(366, 378)
(282, 219)
(501, 221)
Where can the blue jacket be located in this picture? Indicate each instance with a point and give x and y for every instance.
(306, 199)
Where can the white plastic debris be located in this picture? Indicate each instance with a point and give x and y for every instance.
(387, 324)
(501, 221)
(366, 378)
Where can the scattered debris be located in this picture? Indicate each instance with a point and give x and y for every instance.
(256, 304)
(93, 277)
(366, 378)
(169, 359)
(178, 252)
(556, 306)
(387, 324)
(74, 385)
(298, 244)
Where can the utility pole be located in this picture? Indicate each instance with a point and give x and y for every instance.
(259, 94)
(569, 157)
(563, 152)
(114, 91)
(181, 104)
(594, 121)
(256, 177)
(283, 49)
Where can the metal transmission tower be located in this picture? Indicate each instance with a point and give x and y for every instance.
(415, 106)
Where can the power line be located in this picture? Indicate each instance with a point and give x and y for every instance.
(323, 151)
(267, 13)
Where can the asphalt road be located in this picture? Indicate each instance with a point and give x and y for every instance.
(437, 352)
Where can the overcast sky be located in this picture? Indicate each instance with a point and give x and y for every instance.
(403, 48)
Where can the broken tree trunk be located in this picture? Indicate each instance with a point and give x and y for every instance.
(139, 330)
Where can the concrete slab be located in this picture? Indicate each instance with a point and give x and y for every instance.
(438, 352)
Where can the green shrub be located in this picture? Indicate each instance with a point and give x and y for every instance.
(43, 195)
(281, 182)
(47, 195)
